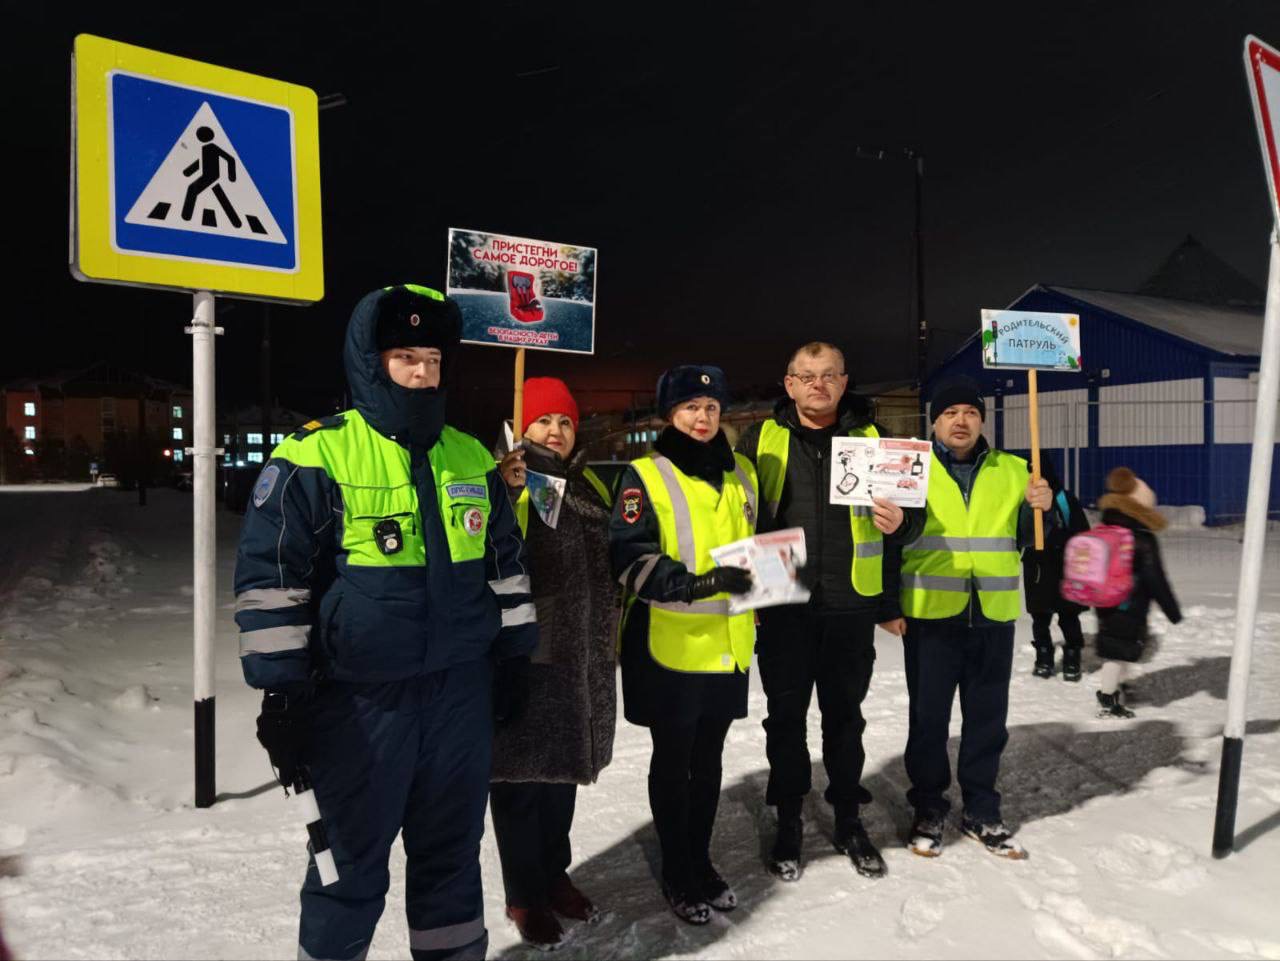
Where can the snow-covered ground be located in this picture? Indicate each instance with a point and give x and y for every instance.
(103, 856)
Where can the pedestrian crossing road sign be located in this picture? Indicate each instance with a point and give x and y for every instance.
(191, 176)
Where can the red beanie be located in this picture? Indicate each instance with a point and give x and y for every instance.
(547, 395)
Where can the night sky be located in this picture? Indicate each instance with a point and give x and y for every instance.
(711, 157)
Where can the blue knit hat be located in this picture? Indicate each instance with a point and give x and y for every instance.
(687, 381)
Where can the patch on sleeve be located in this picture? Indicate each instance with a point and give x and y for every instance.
(265, 485)
(632, 504)
(466, 490)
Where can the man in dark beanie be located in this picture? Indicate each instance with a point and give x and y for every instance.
(960, 597)
(384, 610)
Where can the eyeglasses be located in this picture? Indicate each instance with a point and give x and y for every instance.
(829, 377)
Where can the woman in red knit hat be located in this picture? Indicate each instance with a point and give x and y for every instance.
(564, 735)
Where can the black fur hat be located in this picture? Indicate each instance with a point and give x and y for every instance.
(414, 316)
(687, 381)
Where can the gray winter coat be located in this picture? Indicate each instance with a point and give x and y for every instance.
(565, 735)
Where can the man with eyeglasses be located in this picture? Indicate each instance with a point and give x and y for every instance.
(827, 643)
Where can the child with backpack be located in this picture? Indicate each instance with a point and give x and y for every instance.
(1125, 546)
(1042, 580)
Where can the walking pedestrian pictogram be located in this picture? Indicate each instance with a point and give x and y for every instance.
(202, 185)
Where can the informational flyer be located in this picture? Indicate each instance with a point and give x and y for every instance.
(546, 493)
(773, 560)
(519, 292)
(894, 468)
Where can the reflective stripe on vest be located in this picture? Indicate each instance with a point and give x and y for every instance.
(867, 572)
(373, 476)
(693, 517)
(968, 546)
(522, 502)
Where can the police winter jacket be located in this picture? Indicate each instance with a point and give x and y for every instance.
(379, 544)
(1122, 630)
(652, 694)
(827, 532)
(566, 732)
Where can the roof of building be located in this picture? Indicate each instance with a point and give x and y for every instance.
(1228, 330)
(1192, 272)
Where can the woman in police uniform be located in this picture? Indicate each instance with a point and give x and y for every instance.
(684, 657)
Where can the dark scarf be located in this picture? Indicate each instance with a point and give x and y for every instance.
(421, 414)
(709, 460)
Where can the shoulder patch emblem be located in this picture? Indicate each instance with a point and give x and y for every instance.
(466, 490)
(474, 521)
(632, 504)
(265, 485)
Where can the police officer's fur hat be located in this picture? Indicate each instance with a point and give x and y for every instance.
(688, 381)
(412, 316)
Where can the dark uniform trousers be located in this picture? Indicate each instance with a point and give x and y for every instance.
(412, 755)
(941, 656)
(1068, 623)
(531, 821)
(799, 650)
(684, 792)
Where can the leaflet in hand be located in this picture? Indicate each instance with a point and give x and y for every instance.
(888, 467)
(546, 493)
(773, 560)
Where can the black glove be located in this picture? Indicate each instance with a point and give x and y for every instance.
(510, 688)
(284, 727)
(733, 580)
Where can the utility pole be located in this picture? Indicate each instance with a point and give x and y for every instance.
(266, 381)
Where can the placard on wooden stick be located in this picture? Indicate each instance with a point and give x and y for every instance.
(1031, 341)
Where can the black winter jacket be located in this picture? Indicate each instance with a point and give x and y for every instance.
(1122, 630)
(827, 532)
(1042, 570)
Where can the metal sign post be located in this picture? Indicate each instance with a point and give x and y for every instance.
(203, 477)
(1262, 65)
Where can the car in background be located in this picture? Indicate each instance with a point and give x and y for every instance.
(107, 480)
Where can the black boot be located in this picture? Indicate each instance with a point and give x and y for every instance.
(784, 860)
(1044, 661)
(1071, 663)
(1112, 705)
(851, 838)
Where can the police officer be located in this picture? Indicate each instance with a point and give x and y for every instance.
(384, 609)
(828, 643)
(960, 595)
(684, 656)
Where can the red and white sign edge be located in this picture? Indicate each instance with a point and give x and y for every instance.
(1262, 65)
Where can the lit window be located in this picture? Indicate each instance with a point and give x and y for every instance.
(29, 432)
(177, 433)
(226, 459)
(29, 452)
(178, 456)
(177, 412)
(254, 456)
(253, 439)
(29, 409)
(653, 435)
(628, 438)
(226, 441)
(277, 439)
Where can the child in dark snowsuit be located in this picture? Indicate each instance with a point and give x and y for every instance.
(1122, 630)
(1042, 580)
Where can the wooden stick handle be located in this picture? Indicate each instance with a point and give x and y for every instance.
(517, 418)
(1033, 407)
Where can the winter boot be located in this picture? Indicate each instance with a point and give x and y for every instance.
(926, 835)
(784, 860)
(715, 890)
(686, 906)
(1112, 705)
(538, 927)
(1044, 661)
(1071, 663)
(851, 838)
(995, 837)
(568, 902)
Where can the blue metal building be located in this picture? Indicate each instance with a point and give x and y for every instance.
(1168, 388)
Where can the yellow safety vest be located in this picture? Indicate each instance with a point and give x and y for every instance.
(522, 502)
(965, 546)
(868, 543)
(693, 517)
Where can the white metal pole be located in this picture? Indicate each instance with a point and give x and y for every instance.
(204, 452)
(1255, 531)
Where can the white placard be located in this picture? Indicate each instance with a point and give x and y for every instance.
(888, 467)
(773, 560)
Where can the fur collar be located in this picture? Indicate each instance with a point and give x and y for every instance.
(1149, 518)
(709, 460)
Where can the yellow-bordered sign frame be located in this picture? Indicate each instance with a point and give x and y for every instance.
(94, 256)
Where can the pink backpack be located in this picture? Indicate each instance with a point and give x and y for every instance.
(1097, 566)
